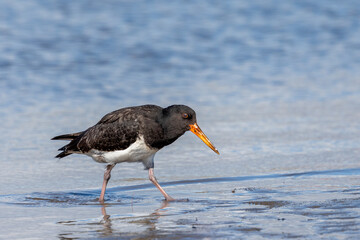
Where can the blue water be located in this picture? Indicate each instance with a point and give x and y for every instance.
(209, 53)
(275, 85)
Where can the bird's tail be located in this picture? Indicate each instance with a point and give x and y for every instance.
(62, 154)
(71, 137)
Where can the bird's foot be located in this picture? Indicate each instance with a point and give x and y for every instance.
(170, 199)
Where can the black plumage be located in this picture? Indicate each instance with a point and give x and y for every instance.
(119, 129)
(133, 134)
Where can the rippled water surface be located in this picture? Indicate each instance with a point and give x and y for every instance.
(276, 88)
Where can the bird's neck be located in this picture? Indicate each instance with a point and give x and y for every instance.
(169, 134)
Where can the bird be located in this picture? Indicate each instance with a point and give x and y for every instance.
(133, 134)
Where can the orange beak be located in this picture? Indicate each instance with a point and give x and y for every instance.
(197, 131)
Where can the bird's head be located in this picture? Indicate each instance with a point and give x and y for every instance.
(181, 118)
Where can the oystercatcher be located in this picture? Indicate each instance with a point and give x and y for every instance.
(133, 134)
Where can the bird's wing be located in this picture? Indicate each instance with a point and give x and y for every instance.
(115, 131)
(112, 136)
(112, 116)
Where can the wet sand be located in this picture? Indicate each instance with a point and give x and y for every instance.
(304, 205)
(301, 186)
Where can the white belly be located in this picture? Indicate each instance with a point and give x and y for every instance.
(136, 152)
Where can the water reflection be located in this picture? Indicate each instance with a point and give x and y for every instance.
(149, 222)
(106, 222)
(268, 208)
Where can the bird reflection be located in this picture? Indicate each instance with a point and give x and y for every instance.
(148, 221)
(106, 222)
(160, 210)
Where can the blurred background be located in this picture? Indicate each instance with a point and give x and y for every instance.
(206, 53)
(275, 84)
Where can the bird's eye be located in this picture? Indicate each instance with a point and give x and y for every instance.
(185, 115)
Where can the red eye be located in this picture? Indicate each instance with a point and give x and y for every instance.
(185, 115)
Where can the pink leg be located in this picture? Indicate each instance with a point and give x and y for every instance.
(107, 176)
(155, 182)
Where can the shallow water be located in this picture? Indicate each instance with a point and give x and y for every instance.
(276, 88)
(255, 207)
